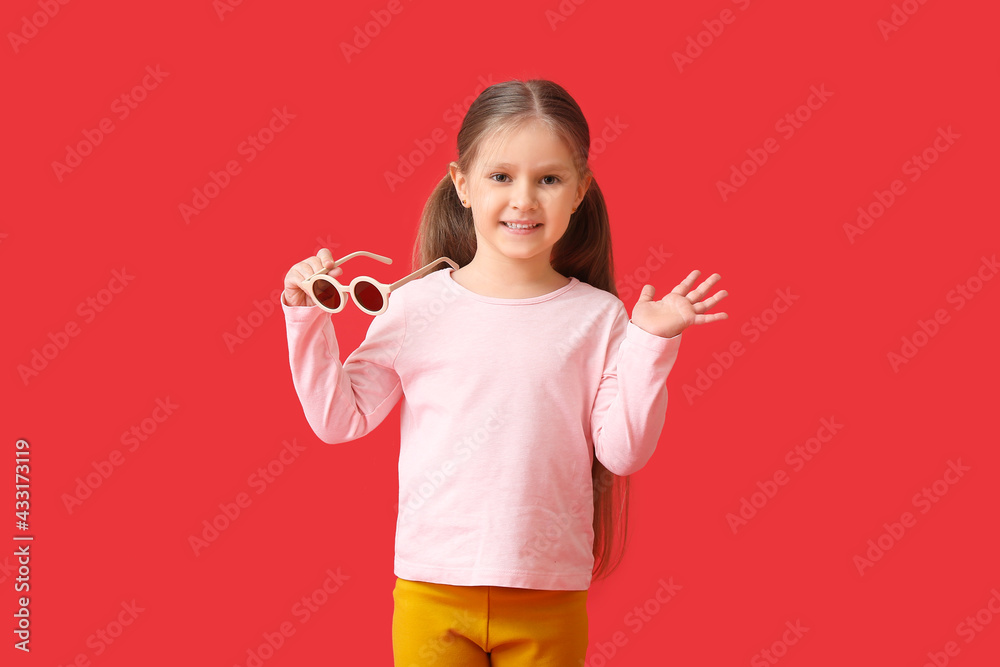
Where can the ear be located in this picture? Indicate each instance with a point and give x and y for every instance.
(582, 189)
(458, 178)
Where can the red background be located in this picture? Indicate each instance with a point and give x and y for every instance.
(321, 181)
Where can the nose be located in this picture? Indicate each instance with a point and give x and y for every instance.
(524, 196)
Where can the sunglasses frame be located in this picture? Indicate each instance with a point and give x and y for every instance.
(384, 289)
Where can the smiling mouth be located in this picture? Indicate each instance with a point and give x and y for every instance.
(514, 225)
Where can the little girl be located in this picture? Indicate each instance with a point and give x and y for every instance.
(527, 394)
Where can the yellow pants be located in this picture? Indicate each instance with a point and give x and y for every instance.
(439, 625)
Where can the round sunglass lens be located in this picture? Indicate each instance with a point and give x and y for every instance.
(326, 294)
(368, 296)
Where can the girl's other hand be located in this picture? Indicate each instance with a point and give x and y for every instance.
(679, 309)
(294, 294)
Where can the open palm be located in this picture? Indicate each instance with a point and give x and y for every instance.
(678, 309)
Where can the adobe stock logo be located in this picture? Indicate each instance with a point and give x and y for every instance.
(229, 511)
(753, 329)
(59, 340)
(636, 619)
(222, 7)
(797, 457)
(714, 28)
(898, 18)
(249, 148)
(914, 167)
(925, 330)
(461, 624)
(631, 284)
(30, 28)
(254, 319)
(324, 242)
(563, 11)
(381, 18)
(779, 648)
(923, 500)
(303, 610)
(461, 451)
(611, 131)
(428, 313)
(787, 126)
(122, 106)
(133, 438)
(967, 629)
(101, 639)
(426, 147)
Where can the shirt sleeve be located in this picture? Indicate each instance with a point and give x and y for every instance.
(631, 402)
(343, 402)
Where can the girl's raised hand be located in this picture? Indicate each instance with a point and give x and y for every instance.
(679, 309)
(294, 295)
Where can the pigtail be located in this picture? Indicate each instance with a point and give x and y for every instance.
(584, 251)
(446, 228)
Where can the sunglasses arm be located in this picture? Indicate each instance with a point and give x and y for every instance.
(422, 272)
(384, 260)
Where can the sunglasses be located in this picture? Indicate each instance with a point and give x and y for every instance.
(369, 295)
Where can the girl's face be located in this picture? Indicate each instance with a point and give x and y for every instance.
(530, 180)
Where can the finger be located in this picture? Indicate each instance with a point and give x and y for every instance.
(703, 288)
(647, 293)
(326, 259)
(309, 267)
(711, 317)
(318, 263)
(293, 279)
(324, 255)
(685, 285)
(710, 301)
(301, 271)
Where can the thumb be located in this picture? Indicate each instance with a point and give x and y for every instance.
(647, 293)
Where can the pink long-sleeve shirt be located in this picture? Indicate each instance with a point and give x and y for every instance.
(504, 403)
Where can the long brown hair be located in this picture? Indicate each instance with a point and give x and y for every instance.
(584, 251)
